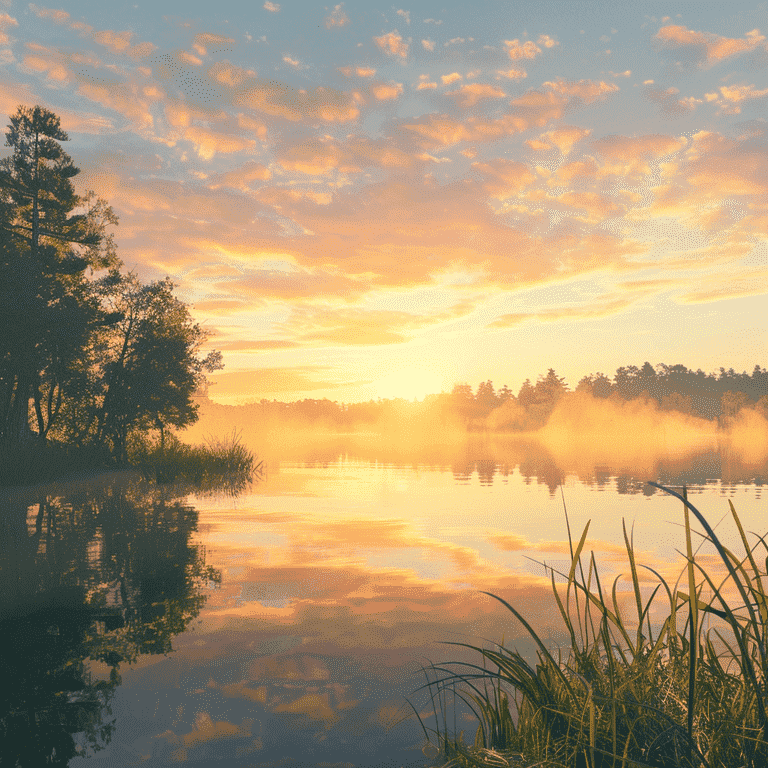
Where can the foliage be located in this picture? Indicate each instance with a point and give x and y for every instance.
(47, 306)
(98, 354)
(624, 698)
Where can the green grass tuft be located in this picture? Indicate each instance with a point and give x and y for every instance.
(623, 699)
(220, 464)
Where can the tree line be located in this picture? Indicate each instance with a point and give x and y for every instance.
(719, 395)
(89, 354)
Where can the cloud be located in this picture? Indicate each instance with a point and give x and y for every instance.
(472, 93)
(298, 283)
(730, 98)
(707, 48)
(359, 71)
(273, 7)
(535, 108)
(609, 304)
(629, 148)
(240, 178)
(58, 16)
(504, 178)
(115, 41)
(597, 206)
(392, 44)
(670, 105)
(547, 41)
(517, 50)
(405, 14)
(253, 384)
(208, 143)
(450, 78)
(386, 91)
(355, 326)
(565, 137)
(511, 74)
(729, 285)
(206, 42)
(255, 345)
(337, 17)
(317, 157)
(282, 100)
(428, 45)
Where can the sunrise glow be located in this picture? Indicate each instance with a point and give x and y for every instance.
(365, 201)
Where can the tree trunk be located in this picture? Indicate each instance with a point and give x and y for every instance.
(18, 423)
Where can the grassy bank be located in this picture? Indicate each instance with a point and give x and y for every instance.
(624, 698)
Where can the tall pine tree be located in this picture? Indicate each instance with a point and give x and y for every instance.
(47, 307)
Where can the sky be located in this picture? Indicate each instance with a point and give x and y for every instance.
(368, 200)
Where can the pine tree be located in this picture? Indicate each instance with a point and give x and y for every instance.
(47, 307)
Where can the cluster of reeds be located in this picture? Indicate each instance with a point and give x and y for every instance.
(624, 698)
(217, 464)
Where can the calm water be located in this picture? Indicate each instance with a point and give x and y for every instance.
(286, 626)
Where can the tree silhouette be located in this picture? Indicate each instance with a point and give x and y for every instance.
(47, 308)
(60, 605)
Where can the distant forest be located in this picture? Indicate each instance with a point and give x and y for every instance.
(712, 396)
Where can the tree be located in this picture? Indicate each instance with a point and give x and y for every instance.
(51, 236)
(150, 363)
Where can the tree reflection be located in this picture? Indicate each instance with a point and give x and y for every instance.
(89, 579)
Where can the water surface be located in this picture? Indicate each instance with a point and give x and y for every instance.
(286, 626)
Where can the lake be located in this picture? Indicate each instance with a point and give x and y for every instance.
(287, 625)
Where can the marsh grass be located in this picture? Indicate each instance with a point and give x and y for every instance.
(217, 464)
(624, 698)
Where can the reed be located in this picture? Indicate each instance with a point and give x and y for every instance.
(217, 464)
(624, 698)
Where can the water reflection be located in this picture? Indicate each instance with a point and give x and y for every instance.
(341, 572)
(90, 579)
(493, 458)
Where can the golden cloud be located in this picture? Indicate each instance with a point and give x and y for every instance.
(628, 148)
(730, 97)
(255, 345)
(337, 17)
(707, 47)
(504, 178)
(281, 100)
(472, 93)
(207, 41)
(606, 306)
(392, 44)
(208, 143)
(241, 178)
(115, 41)
(517, 50)
(512, 74)
(386, 91)
(274, 381)
(565, 136)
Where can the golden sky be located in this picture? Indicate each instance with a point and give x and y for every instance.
(362, 200)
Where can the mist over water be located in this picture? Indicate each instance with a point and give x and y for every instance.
(591, 438)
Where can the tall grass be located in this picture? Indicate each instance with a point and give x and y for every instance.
(219, 464)
(624, 698)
